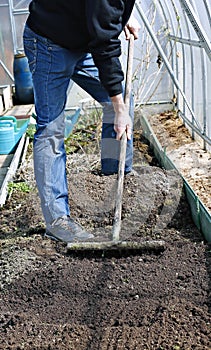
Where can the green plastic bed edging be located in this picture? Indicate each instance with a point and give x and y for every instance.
(200, 215)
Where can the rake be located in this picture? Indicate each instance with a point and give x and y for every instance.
(116, 242)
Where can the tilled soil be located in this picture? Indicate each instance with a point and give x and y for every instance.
(156, 299)
(189, 156)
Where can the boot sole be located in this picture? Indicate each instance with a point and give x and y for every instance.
(57, 239)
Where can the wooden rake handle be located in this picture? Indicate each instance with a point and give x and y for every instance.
(123, 145)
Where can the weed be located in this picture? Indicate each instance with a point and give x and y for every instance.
(31, 131)
(18, 186)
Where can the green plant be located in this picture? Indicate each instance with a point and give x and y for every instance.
(18, 186)
(31, 131)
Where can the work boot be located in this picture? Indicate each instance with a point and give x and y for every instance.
(64, 229)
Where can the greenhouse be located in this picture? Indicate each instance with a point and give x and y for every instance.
(146, 287)
(171, 62)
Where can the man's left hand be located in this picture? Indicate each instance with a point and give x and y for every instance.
(132, 27)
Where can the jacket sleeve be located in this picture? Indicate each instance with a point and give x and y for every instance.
(104, 22)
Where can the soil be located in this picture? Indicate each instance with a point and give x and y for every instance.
(154, 298)
(188, 154)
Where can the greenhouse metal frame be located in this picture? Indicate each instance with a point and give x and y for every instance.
(171, 63)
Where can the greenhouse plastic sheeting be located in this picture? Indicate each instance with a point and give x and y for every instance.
(175, 59)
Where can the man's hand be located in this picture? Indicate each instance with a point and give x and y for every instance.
(122, 121)
(132, 27)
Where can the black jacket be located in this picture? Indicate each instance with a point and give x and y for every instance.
(87, 25)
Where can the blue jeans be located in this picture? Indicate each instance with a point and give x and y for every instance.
(52, 67)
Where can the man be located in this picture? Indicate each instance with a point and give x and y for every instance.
(78, 40)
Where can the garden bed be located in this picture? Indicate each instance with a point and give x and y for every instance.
(55, 299)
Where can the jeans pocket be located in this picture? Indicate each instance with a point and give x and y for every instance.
(30, 48)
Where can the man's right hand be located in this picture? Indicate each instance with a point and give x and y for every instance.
(122, 121)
